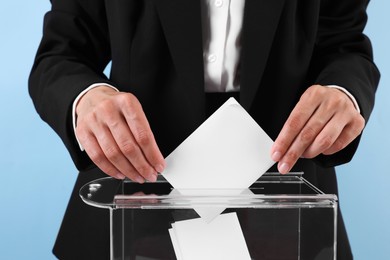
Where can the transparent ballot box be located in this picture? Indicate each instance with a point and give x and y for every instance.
(280, 216)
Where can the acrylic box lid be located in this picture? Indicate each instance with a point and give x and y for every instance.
(272, 190)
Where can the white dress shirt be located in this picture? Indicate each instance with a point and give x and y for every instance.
(221, 27)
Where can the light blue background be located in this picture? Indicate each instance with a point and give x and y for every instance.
(37, 174)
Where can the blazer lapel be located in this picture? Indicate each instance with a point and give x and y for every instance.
(261, 18)
(181, 22)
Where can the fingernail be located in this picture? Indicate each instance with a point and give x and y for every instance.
(120, 176)
(160, 168)
(284, 168)
(152, 177)
(276, 156)
(139, 179)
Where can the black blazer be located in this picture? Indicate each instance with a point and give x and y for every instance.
(156, 51)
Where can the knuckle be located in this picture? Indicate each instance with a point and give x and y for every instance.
(355, 131)
(314, 91)
(291, 156)
(362, 121)
(325, 142)
(356, 127)
(104, 108)
(283, 143)
(311, 91)
(307, 134)
(128, 100)
(339, 145)
(338, 101)
(333, 105)
(89, 117)
(112, 153)
(294, 123)
(143, 137)
(125, 99)
(112, 123)
(129, 149)
(359, 122)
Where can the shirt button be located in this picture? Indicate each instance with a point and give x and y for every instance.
(212, 58)
(218, 3)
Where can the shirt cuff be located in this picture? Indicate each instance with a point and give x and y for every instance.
(348, 94)
(74, 116)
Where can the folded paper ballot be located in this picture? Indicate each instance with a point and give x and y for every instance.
(221, 239)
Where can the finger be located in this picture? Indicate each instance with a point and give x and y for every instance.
(97, 156)
(293, 126)
(114, 154)
(150, 149)
(325, 139)
(104, 118)
(130, 149)
(348, 134)
(304, 140)
(307, 136)
(92, 148)
(142, 133)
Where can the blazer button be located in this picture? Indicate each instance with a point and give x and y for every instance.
(212, 58)
(218, 3)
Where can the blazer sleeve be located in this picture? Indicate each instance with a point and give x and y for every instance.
(72, 55)
(343, 56)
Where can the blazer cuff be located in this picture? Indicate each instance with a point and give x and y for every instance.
(353, 99)
(75, 102)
